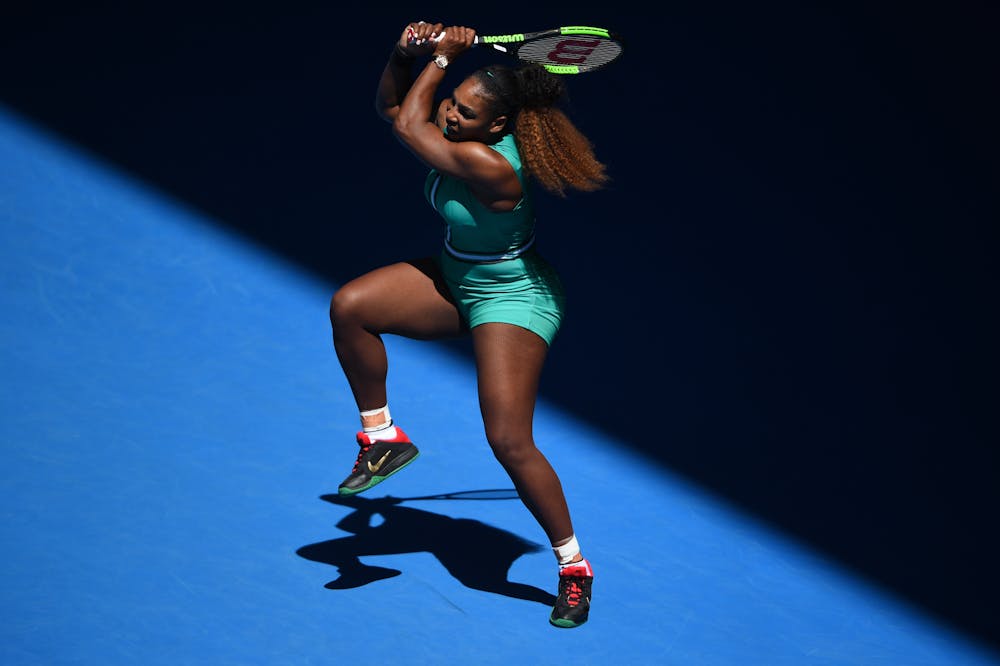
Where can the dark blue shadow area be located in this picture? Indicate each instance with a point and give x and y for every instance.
(478, 555)
(787, 295)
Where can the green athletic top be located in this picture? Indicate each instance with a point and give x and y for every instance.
(474, 228)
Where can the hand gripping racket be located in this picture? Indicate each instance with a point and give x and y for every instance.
(567, 50)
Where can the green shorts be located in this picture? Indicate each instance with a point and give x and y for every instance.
(525, 291)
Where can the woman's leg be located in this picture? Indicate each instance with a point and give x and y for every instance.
(408, 299)
(509, 363)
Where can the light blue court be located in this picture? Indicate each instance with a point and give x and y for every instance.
(174, 425)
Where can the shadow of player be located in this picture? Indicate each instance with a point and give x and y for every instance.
(476, 554)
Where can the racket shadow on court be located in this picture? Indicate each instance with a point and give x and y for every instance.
(478, 555)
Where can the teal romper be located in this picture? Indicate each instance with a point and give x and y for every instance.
(489, 260)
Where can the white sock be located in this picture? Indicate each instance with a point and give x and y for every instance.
(384, 431)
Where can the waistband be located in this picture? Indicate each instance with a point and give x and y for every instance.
(485, 258)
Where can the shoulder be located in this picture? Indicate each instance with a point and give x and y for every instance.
(507, 147)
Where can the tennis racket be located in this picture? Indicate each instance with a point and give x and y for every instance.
(567, 50)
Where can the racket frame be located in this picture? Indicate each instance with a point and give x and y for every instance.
(518, 39)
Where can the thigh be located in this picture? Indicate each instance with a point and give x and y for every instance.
(509, 362)
(408, 298)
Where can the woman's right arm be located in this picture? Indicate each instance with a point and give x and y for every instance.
(397, 77)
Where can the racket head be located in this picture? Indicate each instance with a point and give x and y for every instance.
(571, 49)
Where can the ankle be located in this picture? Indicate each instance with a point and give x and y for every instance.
(567, 551)
(373, 420)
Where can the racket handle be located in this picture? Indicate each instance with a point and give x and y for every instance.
(475, 40)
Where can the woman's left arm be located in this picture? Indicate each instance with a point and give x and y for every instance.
(396, 79)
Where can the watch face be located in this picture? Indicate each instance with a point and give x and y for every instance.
(441, 61)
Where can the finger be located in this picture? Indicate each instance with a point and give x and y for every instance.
(422, 32)
(413, 35)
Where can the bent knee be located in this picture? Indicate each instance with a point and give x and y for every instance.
(345, 306)
(511, 451)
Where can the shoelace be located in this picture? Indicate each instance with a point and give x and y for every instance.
(365, 448)
(571, 589)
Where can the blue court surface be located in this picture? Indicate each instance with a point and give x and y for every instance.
(174, 427)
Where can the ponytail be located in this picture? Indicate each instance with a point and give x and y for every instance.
(553, 151)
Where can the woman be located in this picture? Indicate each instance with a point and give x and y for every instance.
(482, 142)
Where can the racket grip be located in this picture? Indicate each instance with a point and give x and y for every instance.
(475, 40)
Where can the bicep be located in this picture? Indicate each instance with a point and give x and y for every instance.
(470, 161)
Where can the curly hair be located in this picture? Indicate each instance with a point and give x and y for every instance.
(554, 152)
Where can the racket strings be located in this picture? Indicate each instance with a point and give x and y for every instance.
(581, 51)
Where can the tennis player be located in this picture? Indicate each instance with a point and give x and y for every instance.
(491, 137)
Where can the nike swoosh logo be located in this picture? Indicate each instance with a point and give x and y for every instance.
(377, 466)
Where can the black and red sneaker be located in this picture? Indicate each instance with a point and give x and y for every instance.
(377, 461)
(573, 603)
